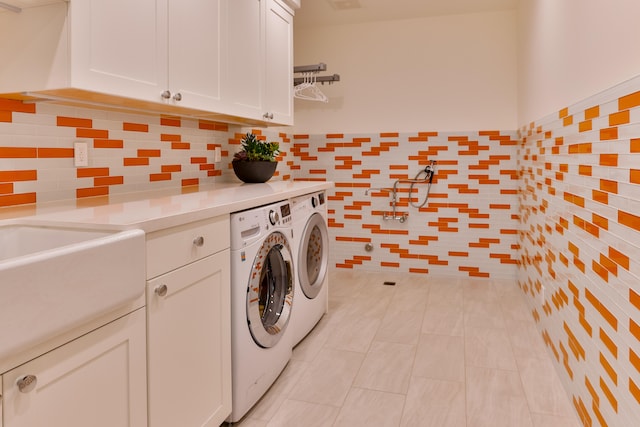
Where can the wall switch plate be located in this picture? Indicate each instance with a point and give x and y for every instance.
(80, 154)
(217, 155)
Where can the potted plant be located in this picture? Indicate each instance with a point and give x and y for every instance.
(256, 162)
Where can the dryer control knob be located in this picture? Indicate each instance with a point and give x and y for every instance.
(273, 217)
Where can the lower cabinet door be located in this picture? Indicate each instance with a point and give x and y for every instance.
(189, 344)
(97, 380)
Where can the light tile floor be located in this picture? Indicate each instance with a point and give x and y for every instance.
(428, 352)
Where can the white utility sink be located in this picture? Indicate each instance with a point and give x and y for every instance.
(53, 279)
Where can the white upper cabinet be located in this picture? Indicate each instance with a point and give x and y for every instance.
(260, 64)
(152, 50)
(119, 47)
(229, 60)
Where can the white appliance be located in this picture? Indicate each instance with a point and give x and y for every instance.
(262, 287)
(311, 243)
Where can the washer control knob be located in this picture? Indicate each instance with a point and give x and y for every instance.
(314, 201)
(273, 217)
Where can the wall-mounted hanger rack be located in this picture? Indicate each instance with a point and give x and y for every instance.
(314, 69)
(321, 79)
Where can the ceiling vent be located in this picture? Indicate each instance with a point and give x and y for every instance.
(344, 4)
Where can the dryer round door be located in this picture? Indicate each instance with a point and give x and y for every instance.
(270, 291)
(313, 259)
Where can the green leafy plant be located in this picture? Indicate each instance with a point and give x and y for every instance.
(255, 150)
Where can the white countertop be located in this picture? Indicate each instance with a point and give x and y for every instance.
(152, 211)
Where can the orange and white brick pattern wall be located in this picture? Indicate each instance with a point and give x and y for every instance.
(468, 227)
(127, 152)
(580, 257)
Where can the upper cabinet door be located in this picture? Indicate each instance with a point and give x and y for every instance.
(279, 63)
(119, 47)
(260, 65)
(245, 64)
(197, 30)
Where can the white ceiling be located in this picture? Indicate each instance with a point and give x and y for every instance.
(337, 12)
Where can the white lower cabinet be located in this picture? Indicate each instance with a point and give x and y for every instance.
(97, 380)
(189, 344)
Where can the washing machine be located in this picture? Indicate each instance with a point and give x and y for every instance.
(262, 294)
(311, 251)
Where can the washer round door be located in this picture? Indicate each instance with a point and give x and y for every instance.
(313, 258)
(270, 291)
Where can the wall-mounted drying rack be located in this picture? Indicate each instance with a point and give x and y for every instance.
(305, 87)
(424, 176)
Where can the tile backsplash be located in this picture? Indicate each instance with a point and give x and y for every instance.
(127, 152)
(580, 256)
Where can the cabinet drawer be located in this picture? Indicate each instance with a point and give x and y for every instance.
(174, 247)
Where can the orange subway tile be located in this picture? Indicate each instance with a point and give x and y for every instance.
(630, 220)
(24, 175)
(600, 196)
(6, 116)
(92, 192)
(567, 121)
(180, 145)
(92, 133)
(17, 106)
(170, 121)
(135, 161)
(634, 176)
(608, 369)
(629, 101)
(634, 298)
(190, 181)
(608, 134)
(6, 188)
(619, 118)
(166, 137)
(171, 168)
(592, 113)
(55, 153)
(609, 395)
(585, 126)
(135, 127)
(634, 390)
(634, 145)
(584, 170)
(74, 122)
(563, 113)
(149, 153)
(153, 177)
(109, 180)
(609, 186)
(634, 359)
(17, 199)
(91, 172)
(108, 143)
(18, 152)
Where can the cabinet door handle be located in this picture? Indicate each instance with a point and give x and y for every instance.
(27, 383)
(268, 116)
(198, 241)
(177, 97)
(161, 290)
(166, 94)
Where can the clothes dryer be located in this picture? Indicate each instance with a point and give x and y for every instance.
(262, 289)
(311, 243)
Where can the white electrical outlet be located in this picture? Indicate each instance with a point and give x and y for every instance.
(217, 155)
(80, 154)
(541, 295)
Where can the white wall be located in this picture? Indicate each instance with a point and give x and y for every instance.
(571, 49)
(442, 73)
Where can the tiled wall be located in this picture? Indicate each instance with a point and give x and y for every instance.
(127, 152)
(580, 238)
(469, 225)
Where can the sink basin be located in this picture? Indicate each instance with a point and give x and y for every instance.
(53, 279)
(20, 240)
